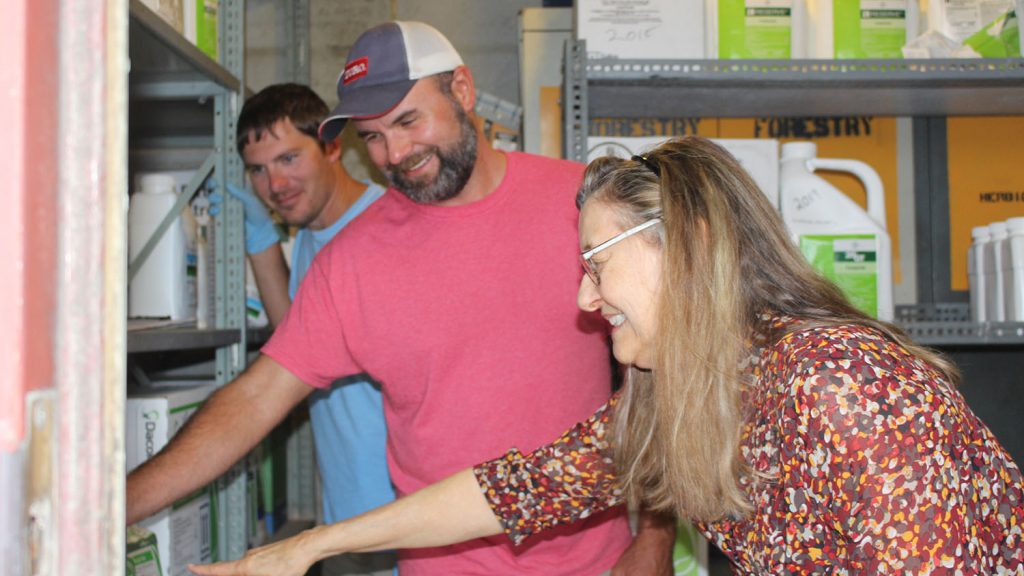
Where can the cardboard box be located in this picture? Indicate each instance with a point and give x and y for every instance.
(201, 25)
(654, 29)
(186, 531)
(141, 555)
(171, 11)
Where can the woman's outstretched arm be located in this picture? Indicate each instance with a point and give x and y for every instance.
(450, 511)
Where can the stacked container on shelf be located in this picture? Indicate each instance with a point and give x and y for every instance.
(795, 29)
(995, 271)
(1013, 270)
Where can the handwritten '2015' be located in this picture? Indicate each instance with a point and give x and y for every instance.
(630, 34)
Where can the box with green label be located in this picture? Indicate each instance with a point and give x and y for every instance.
(141, 555)
(873, 28)
(201, 25)
(757, 29)
(185, 532)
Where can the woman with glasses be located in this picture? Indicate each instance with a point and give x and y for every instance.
(801, 436)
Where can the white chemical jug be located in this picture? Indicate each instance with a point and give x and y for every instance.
(163, 287)
(847, 244)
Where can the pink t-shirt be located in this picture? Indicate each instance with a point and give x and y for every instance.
(467, 317)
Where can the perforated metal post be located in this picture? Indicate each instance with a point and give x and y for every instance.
(229, 261)
(574, 101)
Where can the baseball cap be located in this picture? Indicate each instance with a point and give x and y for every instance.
(382, 66)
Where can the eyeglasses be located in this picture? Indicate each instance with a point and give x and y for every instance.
(588, 265)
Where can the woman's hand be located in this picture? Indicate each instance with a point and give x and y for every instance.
(288, 557)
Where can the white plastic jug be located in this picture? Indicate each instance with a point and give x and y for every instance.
(995, 300)
(847, 244)
(1013, 270)
(163, 287)
(976, 272)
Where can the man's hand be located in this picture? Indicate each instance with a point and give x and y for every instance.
(650, 554)
(260, 230)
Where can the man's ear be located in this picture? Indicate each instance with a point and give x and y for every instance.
(332, 149)
(463, 88)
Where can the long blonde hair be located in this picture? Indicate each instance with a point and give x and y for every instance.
(727, 259)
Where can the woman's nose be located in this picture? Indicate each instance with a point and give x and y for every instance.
(588, 298)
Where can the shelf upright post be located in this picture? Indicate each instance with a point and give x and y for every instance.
(230, 266)
(299, 451)
(574, 101)
(932, 218)
(298, 39)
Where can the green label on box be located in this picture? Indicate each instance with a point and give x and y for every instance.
(754, 28)
(141, 556)
(206, 27)
(869, 28)
(851, 261)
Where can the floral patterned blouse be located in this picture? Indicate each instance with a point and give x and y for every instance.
(876, 467)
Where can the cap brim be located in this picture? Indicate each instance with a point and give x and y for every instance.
(331, 128)
(364, 102)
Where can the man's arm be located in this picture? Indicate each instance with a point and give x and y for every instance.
(271, 273)
(228, 425)
(652, 548)
(452, 510)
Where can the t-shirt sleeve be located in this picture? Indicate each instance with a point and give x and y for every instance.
(310, 341)
(562, 482)
(875, 428)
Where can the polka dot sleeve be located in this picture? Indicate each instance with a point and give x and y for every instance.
(567, 480)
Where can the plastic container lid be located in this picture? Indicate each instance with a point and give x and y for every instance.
(997, 230)
(156, 183)
(1015, 226)
(799, 150)
(980, 233)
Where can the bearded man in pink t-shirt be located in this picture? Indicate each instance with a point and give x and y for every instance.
(456, 292)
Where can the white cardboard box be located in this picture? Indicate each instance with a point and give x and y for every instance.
(653, 29)
(759, 156)
(184, 531)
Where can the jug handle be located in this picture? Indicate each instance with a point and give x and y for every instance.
(866, 174)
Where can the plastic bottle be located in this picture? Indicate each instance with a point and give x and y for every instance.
(976, 272)
(995, 311)
(847, 244)
(1013, 270)
(162, 288)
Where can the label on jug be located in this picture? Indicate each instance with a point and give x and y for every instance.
(851, 262)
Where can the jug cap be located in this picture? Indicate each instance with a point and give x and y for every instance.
(1015, 225)
(156, 183)
(804, 150)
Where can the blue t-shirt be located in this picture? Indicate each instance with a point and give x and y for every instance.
(347, 418)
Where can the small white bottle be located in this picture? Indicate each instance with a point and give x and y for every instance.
(1013, 270)
(160, 289)
(994, 309)
(976, 272)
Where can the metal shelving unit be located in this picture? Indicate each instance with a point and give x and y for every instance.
(166, 70)
(927, 90)
(183, 105)
(989, 354)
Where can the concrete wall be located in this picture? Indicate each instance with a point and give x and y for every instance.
(484, 32)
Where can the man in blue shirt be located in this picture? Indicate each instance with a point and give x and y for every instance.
(304, 182)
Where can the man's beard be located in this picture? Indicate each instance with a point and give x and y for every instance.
(455, 166)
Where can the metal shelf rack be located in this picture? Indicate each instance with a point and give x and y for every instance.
(927, 90)
(180, 98)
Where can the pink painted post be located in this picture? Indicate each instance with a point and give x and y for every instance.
(28, 161)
